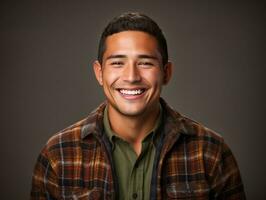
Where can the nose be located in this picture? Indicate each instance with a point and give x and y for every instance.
(131, 73)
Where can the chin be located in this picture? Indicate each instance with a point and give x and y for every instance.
(131, 112)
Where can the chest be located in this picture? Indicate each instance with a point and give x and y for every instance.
(182, 173)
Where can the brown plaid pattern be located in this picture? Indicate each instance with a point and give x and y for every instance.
(191, 162)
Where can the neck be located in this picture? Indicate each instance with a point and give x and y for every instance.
(133, 129)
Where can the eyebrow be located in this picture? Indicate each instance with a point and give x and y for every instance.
(139, 56)
(147, 56)
(116, 56)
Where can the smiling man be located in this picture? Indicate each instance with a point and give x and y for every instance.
(134, 146)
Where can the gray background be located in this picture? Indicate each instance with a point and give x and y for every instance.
(47, 83)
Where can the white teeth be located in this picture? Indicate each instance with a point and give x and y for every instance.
(131, 92)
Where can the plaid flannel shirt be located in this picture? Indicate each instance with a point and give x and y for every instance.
(191, 162)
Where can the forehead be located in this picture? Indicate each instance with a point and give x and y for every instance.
(130, 43)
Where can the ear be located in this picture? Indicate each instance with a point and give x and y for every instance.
(168, 70)
(97, 67)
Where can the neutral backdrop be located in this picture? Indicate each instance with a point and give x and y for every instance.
(47, 48)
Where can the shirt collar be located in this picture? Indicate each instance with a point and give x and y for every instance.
(170, 120)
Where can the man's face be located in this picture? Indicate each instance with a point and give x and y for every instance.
(131, 73)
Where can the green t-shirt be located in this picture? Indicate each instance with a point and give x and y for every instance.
(133, 172)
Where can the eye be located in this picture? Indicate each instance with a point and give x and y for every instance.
(116, 63)
(145, 64)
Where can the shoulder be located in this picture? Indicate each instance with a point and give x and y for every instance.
(75, 133)
(71, 134)
(199, 131)
(183, 125)
(207, 144)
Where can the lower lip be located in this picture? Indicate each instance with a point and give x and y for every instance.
(132, 97)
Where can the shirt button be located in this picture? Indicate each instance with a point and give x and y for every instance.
(135, 195)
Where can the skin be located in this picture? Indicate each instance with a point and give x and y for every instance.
(131, 63)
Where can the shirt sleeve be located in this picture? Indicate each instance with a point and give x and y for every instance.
(226, 182)
(44, 180)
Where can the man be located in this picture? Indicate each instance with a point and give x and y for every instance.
(134, 146)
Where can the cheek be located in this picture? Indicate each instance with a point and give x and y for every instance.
(154, 78)
(109, 77)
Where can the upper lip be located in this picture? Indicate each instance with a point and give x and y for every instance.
(135, 88)
(131, 89)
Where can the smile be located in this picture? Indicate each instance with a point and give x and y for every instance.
(131, 92)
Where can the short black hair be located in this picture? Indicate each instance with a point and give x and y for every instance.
(136, 22)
